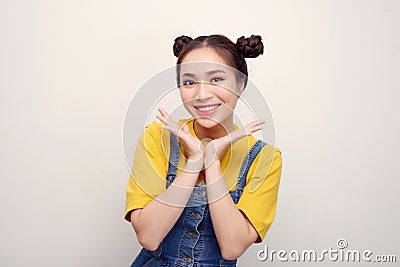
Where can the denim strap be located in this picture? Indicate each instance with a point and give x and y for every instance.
(173, 159)
(244, 169)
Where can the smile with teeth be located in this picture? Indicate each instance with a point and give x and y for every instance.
(207, 108)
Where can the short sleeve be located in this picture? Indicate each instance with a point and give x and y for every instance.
(259, 197)
(147, 179)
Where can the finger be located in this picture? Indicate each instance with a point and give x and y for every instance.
(169, 118)
(172, 130)
(254, 126)
(161, 118)
(255, 123)
(254, 129)
(250, 131)
(163, 112)
(186, 129)
(236, 135)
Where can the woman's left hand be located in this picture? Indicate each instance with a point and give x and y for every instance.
(216, 148)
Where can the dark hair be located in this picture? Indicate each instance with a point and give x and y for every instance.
(233, 54)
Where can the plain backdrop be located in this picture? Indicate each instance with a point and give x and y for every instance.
(69, 69)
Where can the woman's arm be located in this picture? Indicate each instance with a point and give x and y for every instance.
(155, 220)
(233, 230)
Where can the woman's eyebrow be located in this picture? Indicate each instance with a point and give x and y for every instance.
(209, 73)
(215, 71)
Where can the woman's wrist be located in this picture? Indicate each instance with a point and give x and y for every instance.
(210, 160)
(194, 164)
(215, 181)
(213, 171)
(212, 163)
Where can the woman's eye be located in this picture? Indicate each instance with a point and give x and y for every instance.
(217, 79)
(189, 83)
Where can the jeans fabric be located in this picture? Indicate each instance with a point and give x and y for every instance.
(192, 240)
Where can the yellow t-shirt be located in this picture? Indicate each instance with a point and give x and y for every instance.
(259, 197)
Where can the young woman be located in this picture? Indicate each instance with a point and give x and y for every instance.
(202, 190)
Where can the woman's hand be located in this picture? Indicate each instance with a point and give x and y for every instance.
(216, 148)
(192, 145)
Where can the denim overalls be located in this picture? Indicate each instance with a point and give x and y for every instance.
(192, 241)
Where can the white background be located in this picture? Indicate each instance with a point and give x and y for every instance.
(68, 70)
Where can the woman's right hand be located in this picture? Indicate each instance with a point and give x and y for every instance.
(192, 145)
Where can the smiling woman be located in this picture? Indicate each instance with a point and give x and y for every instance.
(197, 220)
(211, 91)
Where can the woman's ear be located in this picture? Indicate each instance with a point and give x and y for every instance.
(240, 87)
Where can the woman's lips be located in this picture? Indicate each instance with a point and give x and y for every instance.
(206, 109)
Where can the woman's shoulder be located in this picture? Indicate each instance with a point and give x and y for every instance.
(152, 129)
(267, 155)
(271, 150)
(154, 126)
(151, 134)
(250, 141)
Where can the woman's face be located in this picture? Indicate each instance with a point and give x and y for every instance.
(209, 88)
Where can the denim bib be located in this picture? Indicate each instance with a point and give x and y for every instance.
(192, 240)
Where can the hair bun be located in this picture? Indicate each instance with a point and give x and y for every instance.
(251, 46)
(180, 43)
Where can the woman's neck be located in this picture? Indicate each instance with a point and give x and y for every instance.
(215, 132)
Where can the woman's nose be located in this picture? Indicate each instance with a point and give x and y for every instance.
(203, 90)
